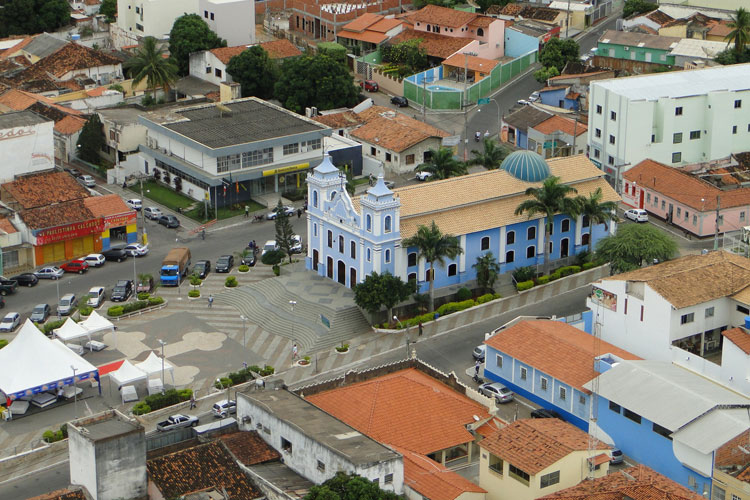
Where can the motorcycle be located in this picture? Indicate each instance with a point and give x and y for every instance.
(477, 136)
(476, 378)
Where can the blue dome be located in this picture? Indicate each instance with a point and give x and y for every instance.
(526, 166)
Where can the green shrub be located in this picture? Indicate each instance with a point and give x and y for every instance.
(184, 394)
(424, 318)
(554, 276)
(463, 294)
(225, 382)
(525, 285)
(568, 270)
(267, 370)
(452, 307)
(583, 258)
(342, 348)
(253, 368)
(194, 280)
(524, 274)
(231, 282)
(51, 325)
(276, 270)
(134, 306)
(155, 301)
(85, 310)
(588, 265)
(194, 293)
(243, 268)
(141, 408)
(487, 297)
(143, 295)
(169, 398)
(273, 257)
(48, 436)
(3, 343)
(59, 435)
(115, 311)
(64, 430)
(542, 280)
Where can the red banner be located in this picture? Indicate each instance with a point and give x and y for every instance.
(69, 231)
(120, 220)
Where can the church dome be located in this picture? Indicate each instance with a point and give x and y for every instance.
(526, 166)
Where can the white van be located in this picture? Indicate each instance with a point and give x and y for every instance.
(96, 296)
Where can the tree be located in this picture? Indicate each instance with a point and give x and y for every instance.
(284, 230)
(344, 486)
(315, 81)
(635, 244)
(434, 247)
(550, 199)
(26, 17)
(190, 33)
(254, 71)
(91, 140)
(740, 33)
(442, 164)
(108, 8)
(492, 156)
(379, 290)
(543, 74)
(558, 53)
(487, 269)
(149, 64)
(597, 211)
(637, 7)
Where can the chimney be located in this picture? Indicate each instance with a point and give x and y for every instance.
(229, 91)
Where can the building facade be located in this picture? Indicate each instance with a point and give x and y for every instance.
(26, 144)
(140, 18)
(232, 20)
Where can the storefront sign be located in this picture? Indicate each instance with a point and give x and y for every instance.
(604, 298)
(286, 170)
(70, 231)
(15, 133)
(120, 220)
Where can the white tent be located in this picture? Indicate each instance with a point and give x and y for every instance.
(152, 364)
(127, 374)
(95, 323)
(31, 363)
(70, 330)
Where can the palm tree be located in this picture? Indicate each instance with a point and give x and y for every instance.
(487, 270)
(597, 211)
(492, 156)
(149, 64)
(740, 33)
(548, 200)
(433, 246)
(442, 165)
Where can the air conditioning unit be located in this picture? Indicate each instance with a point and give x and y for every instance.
(627, 48)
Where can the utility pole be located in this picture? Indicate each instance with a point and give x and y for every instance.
(144, 236)
(424, 98)
(466, 102)
(716, 233)
(567, 20)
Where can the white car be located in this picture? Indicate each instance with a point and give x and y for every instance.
(270, 246)
(49, 273)
(136, 250)
(423, 176)
(523, 102)
(287, 209)
(297, 244)
(87, 181)
(637, 214)
(134, 203)
(95, 260)
(534, 97)
(10, 322)
(152, 213)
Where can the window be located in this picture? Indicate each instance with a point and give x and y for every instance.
(315, 199)
(510, 256)
(321, 466)
(205, 12)
(499, 360)
(563, 393)
(677, 138)
(531, 233)
(315, 229)
(642, 308)
(662, 204)
(411, 259)
(614, 407)
(387, 256)
(662, 431)
(524, 373)
(734, 129)
(679, 211)
(353, 250)
(496, 465)
(581, 400)
(290, 149)
(625, 309)
(565, 226)
(410, 159)
(212, 16)
(653, 137)
(139, 27)
(427, 276)
(632, 415)
(286, 446)
(585, 221)
(709, 312)
(217, 71)
(611, 139)
(518, 474)
(510, 238)
(368, 223)
(330, 239)
(687, 215)
(452, 269)
(137, 10)
(341, 244)
(368, 255)
(485, 244)
(656, 200)
(598, 132)
(695, 219)
(678, 111)
(737, 103)
(412, 277)
(373, 151)
(550, 479)
(313, 144)
(648, 197)
(687, 318)
(596, 153)
(742, 216)
(743, 310)
(676, 157)
(721, 220)
(387, 157)
(530, 252)
(208, 70)
(388, 479)
(613, 116)
(719, 493)
(543, 383)
(611, 160)
(695, 134)
(598, 109)
(387, 224)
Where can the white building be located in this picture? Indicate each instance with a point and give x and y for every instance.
(674, 118)
(139, 18)
(233, 20)
(26, 144)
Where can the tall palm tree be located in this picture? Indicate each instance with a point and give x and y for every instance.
(433, 246)
(487, 269)
(740, 34)
(150, 64)
(442, 165)
(492, 156)
(598, 211)
(550, 199)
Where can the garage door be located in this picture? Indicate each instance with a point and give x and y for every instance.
(54, 252)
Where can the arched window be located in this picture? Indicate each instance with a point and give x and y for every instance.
(315, 199)
(531, 233)
(333, 193)
(585, 239)
(485, 243)
(368, 223)
(341, 244)
(480, 32)
(510, 238)
(353, 250)
(530, 252)
(315, 229)
(565, 226)
(510, 256)
(330, 239)
(586, 221)
(427, 276)
(387, 256)
(368, 255)
(387, 224)
(412, 277)
(452, 269)
(412, 259)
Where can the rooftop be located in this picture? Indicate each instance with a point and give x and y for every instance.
(71, 57)
(249, 448)
(44, 188)
(535, 444)
(634, 39)
(557, 123)
(322, 427)
(434, 45)
(443, 16)
(43, 45)
(432, 480)
(344, 119)
(473, 63)
(393, 130)
(20, 119)
(539, 13)
(678, 84)
(527, 116)
(104, 206)
(224, 54)
(739, 337)
(6, 226)
(556, 348)
(106, 425)
(57, 214)
(281, 49)
(702, 49)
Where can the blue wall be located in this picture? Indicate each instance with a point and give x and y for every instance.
(518, 44)
(552, 97)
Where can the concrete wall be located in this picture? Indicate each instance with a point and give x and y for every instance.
(155, 17)
(201, 62)
(233, 20)
(121, 467)
(26, 149)
(518, 44)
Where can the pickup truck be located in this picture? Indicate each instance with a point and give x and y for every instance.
(176, 422)
(7, 286)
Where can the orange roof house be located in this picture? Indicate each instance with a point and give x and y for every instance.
(370, 29)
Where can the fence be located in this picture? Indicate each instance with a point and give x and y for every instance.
(163, 439)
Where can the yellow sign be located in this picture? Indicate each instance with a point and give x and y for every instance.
(285, 170)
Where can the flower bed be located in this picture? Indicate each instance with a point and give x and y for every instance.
(445, 309)
(159, 401)
(129, 307)
(561, 272)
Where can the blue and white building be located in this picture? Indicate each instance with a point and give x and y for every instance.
(351, 238)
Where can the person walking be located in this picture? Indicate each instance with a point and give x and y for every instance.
(420, 328)
(299, 213)
(486, 134)
(295, 354)
(210, 301)
(247, 211)
(192, 400)
(477, 365)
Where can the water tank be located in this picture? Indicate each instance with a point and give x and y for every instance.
(747, 322)
(75, 37)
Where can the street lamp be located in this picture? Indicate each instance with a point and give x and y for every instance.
(75, 391)
(292, 303)
(244, 331)
(162, 364)
(135, 280)
(222, 387)
(395, 318)
(499, 118)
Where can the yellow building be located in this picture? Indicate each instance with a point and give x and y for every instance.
(535, 457)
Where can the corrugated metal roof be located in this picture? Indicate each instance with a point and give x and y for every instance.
(714, 429)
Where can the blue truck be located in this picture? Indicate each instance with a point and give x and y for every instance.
(175, 266)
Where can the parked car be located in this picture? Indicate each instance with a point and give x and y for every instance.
(617, 456)
(97, 295)
(10, 322)
(270, 246)
(95, 260)
(523, 102)
(49, 273)
(248, 260)
(224, 264)
(369, 85)
(152, 213)
(637, 215)
(423, 176)
(389, 184)
(202, 268)
(223, 408)
(296, 244)
(79, 266)
(116, 254)
(7, 286)
(136, 250)
(273, 213)
(26, 279)
(479, 352)
(534, 97)
(399, 101)
(169, 221)
(176, 422)
(68, 302)
(497, 390)
(545, 413)
(122, 291)
(40, 313)
(73, 171)
(87, 181)
(135, 203)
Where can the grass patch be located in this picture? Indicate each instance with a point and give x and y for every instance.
(199, 212)
(361, 180)
(164, 195)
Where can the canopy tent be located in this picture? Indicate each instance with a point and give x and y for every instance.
(96, 323)
(70, 330)
(152, 364)
(31, 363)
(127, 374)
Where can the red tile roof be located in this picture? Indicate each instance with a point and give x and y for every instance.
(732, 453)
(70, 57)
(363, 22)
(535, 444)
(22, 42)
(198, 468)
(739, 337)
(59, 214)
(385, 24)
(19, 100)
(224, 54)
(42, 189)
(482, 21)
(6, 226)
(366, 36)
(281, 49)
(249, 448)
(70, 125)
(558, 349)
(638, 483)
(558, 123)
(432, 480)
(443, 16)
(473, 63)
(407, 408)
(393, 130)
(434, 45)
(344, 119)
(104, 206)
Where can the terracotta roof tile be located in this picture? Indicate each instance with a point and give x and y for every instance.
(385, 24)
(744, 475)
(473, 63)
(539, 13)
(393, 130)
(363, 22)
(365, 36)
(104, 206)
(739, 337)
(720, 29)
(535, 444)
(224, 54)
(6, 226)
(659, 17)
(197, 468)
(70, 57)
(42, 189)
(638, 483)
(345, 119)
(599, 459)
(407, 408)
(70, 125)
(512, 9)
(732, 453)
(280, 49)
(432, 480)
(249, 448)
(20, 100)
(443, 16)
(58, 214)
(558, 123)
(558, 349)
(482, 21)
(64, 494)
(434, 45)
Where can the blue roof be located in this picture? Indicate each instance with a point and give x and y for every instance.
(326, 166)
(379, 189)
(526, 166)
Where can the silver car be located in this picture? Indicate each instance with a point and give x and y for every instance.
(49, 272)
(497, 390)
(10, 322)
(68, 302)
(152, 213)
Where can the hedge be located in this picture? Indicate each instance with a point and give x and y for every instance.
(134, 306)
(51, 325)
(143, 295)
(243, 375)
(452, 307)
(525, 285)
(445, 309)
(85, 310)
(273, 257)
(155, 301)
(542, 280)
(230, 282)
(487, 297)
(159, 401)
(243, 268)
(194, 293)
(463, 294)
(556, 275)
(3, 343)
(141, 408)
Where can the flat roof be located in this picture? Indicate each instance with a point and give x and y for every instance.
(106, 425)
(322, 427)
(237, 122)
(680, 83)
(21, 119)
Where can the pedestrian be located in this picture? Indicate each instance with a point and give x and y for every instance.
(59, 394)
(295, 356)
(247, 211)
(486, 134)
(305, 207)
(192, 400)
(210, 301)
(477, 365)
(299, 213)
(370, 179)
(420, 328)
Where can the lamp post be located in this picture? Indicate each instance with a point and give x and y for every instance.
(135, 281)
(75, 391)
(57, 284)
(144, 236)
(395, 318)
(162, 364)
(222, 388)
(465, 103)
(292, 303)
(244, 331)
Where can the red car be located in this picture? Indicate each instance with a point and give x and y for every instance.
(369, 85)
(75, 266)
